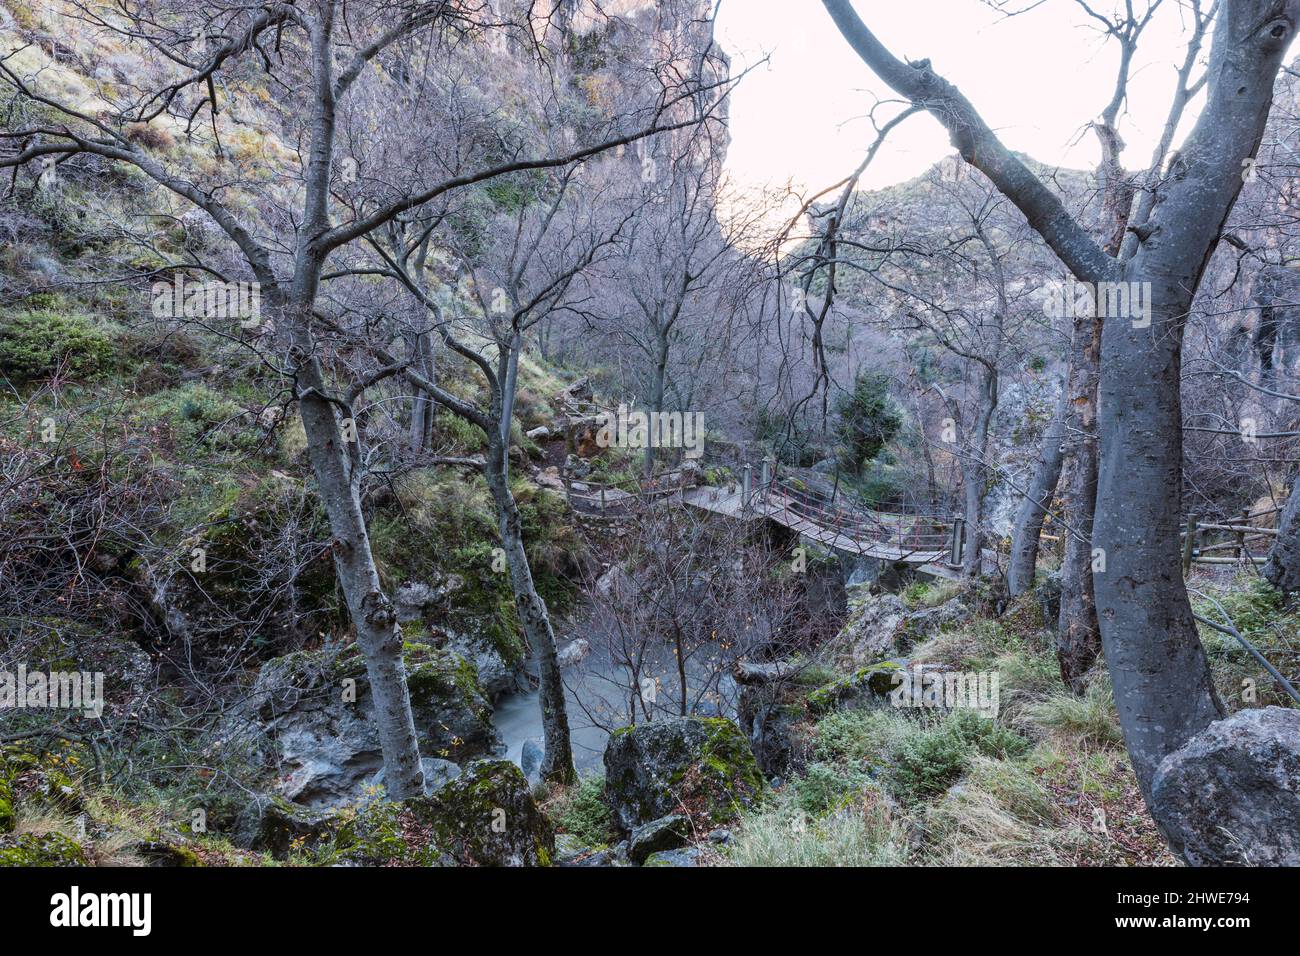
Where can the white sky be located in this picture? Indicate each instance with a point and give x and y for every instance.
(1037, 79)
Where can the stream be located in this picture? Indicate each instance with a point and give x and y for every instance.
(596, 696)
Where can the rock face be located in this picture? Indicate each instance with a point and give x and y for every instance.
(310, 717)
(881, 626)
(1230, 796)
(485, 817)
(924, 623)
(870, 633)
(701, 767)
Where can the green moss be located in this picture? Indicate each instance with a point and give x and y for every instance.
(41, 342)
(6, 806)
(875, 679)
(484, 817)
(47, 849)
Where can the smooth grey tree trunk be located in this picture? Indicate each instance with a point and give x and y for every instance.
(557, 763)
(378, 635)
(1161, 677)
(1037, 500)
(1159, 671)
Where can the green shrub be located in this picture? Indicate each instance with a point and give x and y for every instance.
(867, 421)
(826, 786)
(931, 760)
(867, 737)
(584, 813)
(39, 343)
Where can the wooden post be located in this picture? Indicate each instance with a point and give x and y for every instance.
(1189, 545)
(602, 499)
(1241, 535)
(746, 485)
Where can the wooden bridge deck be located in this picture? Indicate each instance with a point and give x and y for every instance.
(776, 507)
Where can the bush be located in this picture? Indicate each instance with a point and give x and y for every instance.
(39, 343)
(584, 813)
(867, 421)
(867, 737)
(931, 760)
(827, 786)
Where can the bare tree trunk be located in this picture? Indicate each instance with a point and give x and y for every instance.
(975, 473)
(1163, 689)
(378, 634)
(1159, 671)
(557, 764)
(658, 388)
(422, 406)
(1038, 499)
(1078, 637)
(1282, 569)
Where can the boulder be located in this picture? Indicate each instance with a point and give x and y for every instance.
(924, 623)
(701, 767)
(485, 817)
(865, 686)
(768, 713)
(666, 833)
(530, 760)
(310, 718)
(437, 774)
(1230, 796)
(871, 631)
(540, 433)
(687, 856)
(273, 824)
(496, 675)
(573, 653)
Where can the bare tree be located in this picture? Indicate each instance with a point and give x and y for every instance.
(1158, 667)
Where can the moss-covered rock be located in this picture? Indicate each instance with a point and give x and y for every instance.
(45, 849)
(485, 817)
(701, 767)
(872, 682)
(6, 806)
(311, 718)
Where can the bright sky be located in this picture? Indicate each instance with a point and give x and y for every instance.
(1037, 79)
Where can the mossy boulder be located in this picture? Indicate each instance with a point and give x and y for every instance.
(277, 825)
(6, 803)
(311, 717)
(870, 684)
(485, 817)
(700, 767)
(45, 849)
